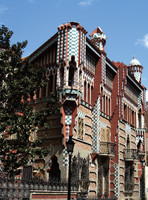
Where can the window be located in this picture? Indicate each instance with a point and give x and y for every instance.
(125, 112)
(62, 77)
(139, 119)
(103, 178)
(54, 171)
(129, 177)
(88, 93)
(84, 90)
(133, 119)
(71, 71)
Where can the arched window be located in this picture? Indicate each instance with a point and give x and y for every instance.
(128, 142)
(62, 77)
(139, 119)
(54, 171)
(139, 145)
(84, 90)
(125, 112)
(88, 93)
(72, 65)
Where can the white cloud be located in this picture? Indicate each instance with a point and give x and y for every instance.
(85, 2)
(143, 41)
(146, 95)
(3, 9)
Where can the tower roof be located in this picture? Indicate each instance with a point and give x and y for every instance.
(134, 62)
(98, 33)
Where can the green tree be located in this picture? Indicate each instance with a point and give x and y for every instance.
(18, 118)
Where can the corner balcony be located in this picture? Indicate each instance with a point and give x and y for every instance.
(130, 154)
(70, 92)
(107, 149)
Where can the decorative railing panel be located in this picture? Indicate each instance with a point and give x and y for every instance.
(19, 189)
(107, 148)
(130, 154)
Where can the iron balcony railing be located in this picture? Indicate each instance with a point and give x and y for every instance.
(130, 154)
(19, 189)
(107, 149)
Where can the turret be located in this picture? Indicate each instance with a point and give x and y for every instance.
(98, 38)
(135, 68)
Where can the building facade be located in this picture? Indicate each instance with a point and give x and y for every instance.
(102, 108)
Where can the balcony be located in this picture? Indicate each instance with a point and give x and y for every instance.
(107, 149)
(130, 154)
(140, 132)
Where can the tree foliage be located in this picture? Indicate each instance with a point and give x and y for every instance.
(18, 118)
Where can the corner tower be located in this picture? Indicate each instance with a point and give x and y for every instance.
(135, 68)
(98, 38)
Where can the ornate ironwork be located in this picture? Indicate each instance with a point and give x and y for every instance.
(107, 148)
(130, 154)
(19, 189)
(80, 172)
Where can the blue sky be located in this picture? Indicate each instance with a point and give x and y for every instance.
(125, 22)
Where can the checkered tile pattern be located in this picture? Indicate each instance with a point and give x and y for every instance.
(139, 99)
(96, 127)
(144, 99)
(82, 48)
(68, 120)
(64, 48)
(61, 46)
(68, 117)
(65, 153)
(65, 157)
(116, 181)
(58, 47)
(137, 76)
(73, 43)
(103, 68)
(67, 133)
